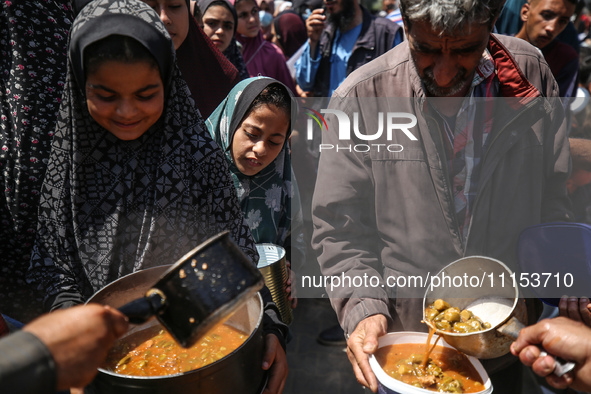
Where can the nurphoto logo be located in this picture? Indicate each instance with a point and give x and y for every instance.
(389, 123)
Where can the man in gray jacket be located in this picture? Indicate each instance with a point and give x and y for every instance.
(464, 177)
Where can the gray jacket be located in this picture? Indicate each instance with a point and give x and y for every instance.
(26, 365)
(390, 214)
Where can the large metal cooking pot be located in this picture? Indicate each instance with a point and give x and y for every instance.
(239, 372)
(199, 290)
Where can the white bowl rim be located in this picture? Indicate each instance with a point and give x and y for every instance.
(417, 337)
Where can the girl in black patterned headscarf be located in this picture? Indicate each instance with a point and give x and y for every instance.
(133, 180)
(208, 73)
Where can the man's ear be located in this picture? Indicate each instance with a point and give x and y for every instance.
(524, 12)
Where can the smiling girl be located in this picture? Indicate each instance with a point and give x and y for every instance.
(134, 180)
(125, 97)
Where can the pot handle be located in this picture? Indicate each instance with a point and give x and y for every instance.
(511, 329)
(140, 310)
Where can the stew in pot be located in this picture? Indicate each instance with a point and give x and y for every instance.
(153, 352)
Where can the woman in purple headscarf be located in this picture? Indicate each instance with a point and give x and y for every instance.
(261, 57)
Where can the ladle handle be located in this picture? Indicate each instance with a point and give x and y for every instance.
(140, 310)
(137, 311)
(512, 328)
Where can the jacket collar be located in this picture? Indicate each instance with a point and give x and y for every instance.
(512, 81)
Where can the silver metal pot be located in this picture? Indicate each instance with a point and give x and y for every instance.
(199, 290)
(238, 372)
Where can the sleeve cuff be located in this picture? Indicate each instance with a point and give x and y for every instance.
(26, 365)
(272, 324)
(64, 300)
(364, 309)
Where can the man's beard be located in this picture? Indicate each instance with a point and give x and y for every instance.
(344, 18)
(459, 82)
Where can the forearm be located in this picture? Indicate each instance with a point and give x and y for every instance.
(306, 69)
(63, 300)
(26, 365)
(58, 283)
(355, 288)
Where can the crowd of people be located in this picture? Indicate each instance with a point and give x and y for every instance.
(132, 131)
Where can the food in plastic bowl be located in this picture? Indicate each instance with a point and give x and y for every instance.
(446, 370)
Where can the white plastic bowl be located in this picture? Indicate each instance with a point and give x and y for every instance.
(389, 385)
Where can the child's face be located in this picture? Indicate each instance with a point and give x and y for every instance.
(248, 18)
(218, 24)
(175, 16)
(125, 98)
(259, 139)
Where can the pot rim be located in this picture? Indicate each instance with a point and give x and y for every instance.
(198, 370)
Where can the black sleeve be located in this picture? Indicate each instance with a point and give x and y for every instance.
(272, 323)
(26, 365)
(64, 300)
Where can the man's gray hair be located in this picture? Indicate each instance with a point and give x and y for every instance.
(450, 16)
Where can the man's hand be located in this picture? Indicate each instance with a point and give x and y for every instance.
(577, 309)
(560, 337)
(363, 342)
(275, 361)
(79, 339)
(301, 93)
(314, 28)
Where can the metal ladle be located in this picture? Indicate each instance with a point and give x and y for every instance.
(495, 300)
(199, 290)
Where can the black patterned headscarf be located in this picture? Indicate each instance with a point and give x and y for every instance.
(111, 207)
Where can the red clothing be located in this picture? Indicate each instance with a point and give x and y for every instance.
(290, 30)
(3, 327)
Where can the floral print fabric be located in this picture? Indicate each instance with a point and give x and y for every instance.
(33, 54)
(269, 199)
